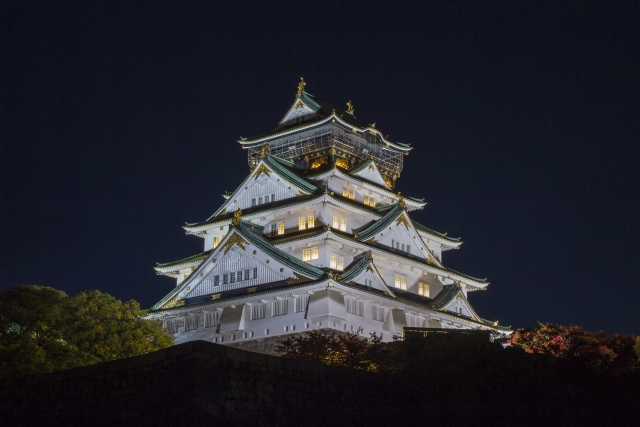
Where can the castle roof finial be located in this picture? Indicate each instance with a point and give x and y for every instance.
(301, 86)
(236, 218)
(349, 107)
(401, 201)
(264, 151)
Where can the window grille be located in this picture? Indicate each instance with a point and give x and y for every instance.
(274, 229)
(279, 307)
(345, 192)
(401, 282)
(351, 194)
(343, 224)
(414, 322)
(306, 255)
(335, 222)
(216, 280)
(273, 198)
(257, 311)
(232, 277)
(314, 253)
(225, 278)
(211, 319)
(354, 306)
(402, 247)
(259, 200)
(366, 200)
(190, 323)
(372, 202)
(312, 221)
(255, 272)
(302, 223)
(301, 303)
(172, 326)
(378, 313)
(253, 202)
(281, 228)
(246, 275)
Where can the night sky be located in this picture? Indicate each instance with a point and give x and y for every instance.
(120, 123)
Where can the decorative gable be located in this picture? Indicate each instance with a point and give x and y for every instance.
(370, 172)
(236, 263)
(370, 277)
(297, 111)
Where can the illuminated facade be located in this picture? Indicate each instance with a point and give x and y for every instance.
(316, 236)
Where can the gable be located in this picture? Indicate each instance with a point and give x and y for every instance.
(298, 110)
(236, 263)
(371, 278)
(371, 174)
(262, 187)
(460, 305)
(401, 234)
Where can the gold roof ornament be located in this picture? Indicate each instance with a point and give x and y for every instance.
(373, 125)
(401, 201)
(349, 107)
(301, 86)
(236, 218)
(264, 151)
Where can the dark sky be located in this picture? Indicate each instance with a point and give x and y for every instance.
(120, 123)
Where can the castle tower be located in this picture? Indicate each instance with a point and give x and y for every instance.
(316, 236)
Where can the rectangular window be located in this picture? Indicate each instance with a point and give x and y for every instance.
(273, 198)
(225, 278)
(257, 311)
(378, 313)
(301, 303)
(423, 289)
(393, 243)
(232, 277)
(216, 241)
(354, 306)
(172, 326)
(343, 224)
(351, 194)
(190, 323)
(314, 253)
(336, 262)
(402, 247)
(281, 228)
(253, 202)
(306, 255)
(240, 276)
(401, 282)
(246, 275)
(312, 221)
(366, 200)
(335, 222)
(372, 202)
(414, 322)
(279, 308)
(274, 229)
(211, 319)
(345, 192)
(302, 224)
(259, 200)
(216, 280)
(255, 273)
(409, 248)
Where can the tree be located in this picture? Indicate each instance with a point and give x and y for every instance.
(43, 330)
(347, 349)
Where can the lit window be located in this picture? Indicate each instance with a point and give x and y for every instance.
(216, 241)
(423, 289)
(281, 228)
(372, 202)
(312, 221)
(366, 200)
(336, 262)
(351, 194)
(314, 253)
(303, 223)
(335, 222)
(345, 192)
(401, 282)
(343, 224)
(306, 255)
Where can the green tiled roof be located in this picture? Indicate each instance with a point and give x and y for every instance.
(374, 228)
(359, 264)
(427, 230)
(197, 257)
(278, 166)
